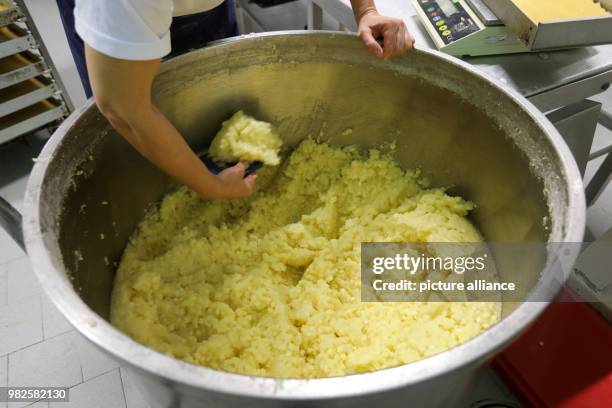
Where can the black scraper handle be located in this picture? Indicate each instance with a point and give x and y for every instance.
(216, 169)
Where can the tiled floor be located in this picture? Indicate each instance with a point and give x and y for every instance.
(37, 345)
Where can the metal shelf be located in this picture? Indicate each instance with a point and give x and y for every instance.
(14, 39)
(30, 118)
(9, 12)
(31, 92)
(24, 94)
(19, 67)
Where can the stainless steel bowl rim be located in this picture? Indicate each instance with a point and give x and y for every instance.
(104, 335)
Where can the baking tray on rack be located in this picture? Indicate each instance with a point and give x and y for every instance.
(24, 94)
(9, 12)
(554, 24)
(19, 67)
(30, 118)
(14, 39)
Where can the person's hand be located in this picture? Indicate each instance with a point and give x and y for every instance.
(396, 38)
(233, 184)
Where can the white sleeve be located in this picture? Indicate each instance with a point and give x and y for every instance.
(125, 29)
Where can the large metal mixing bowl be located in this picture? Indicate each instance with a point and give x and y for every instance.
(463, 129)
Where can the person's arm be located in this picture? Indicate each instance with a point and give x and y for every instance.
(372, 26)
(122, 90)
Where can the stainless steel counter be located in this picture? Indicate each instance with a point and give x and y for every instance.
(533, 75)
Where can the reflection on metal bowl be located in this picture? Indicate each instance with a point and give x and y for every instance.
(464, 130)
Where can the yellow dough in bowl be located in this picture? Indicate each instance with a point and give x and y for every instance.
(270, 285)
(244, 138)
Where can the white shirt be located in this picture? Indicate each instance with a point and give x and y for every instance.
(132, 29)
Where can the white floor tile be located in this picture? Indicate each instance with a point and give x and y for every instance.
(16, 202)
(605, 200)
(22, 282)
(39, 404)
(20, 324)
(3, 371)
(133, 395)
(598, 221)
(93, 360)
(3, 284)
(54, 322)
(51, 363)
(3, 375)
(104, 391)
(8, 248)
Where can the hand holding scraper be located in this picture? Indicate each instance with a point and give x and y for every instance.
(246, 140)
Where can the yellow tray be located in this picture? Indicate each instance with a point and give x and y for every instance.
(555, 24)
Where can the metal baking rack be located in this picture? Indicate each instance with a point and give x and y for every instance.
(32, 95)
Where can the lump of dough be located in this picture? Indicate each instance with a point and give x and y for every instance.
(271, 285)
(242, 137)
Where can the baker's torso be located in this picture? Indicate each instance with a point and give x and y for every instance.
(133, 29)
